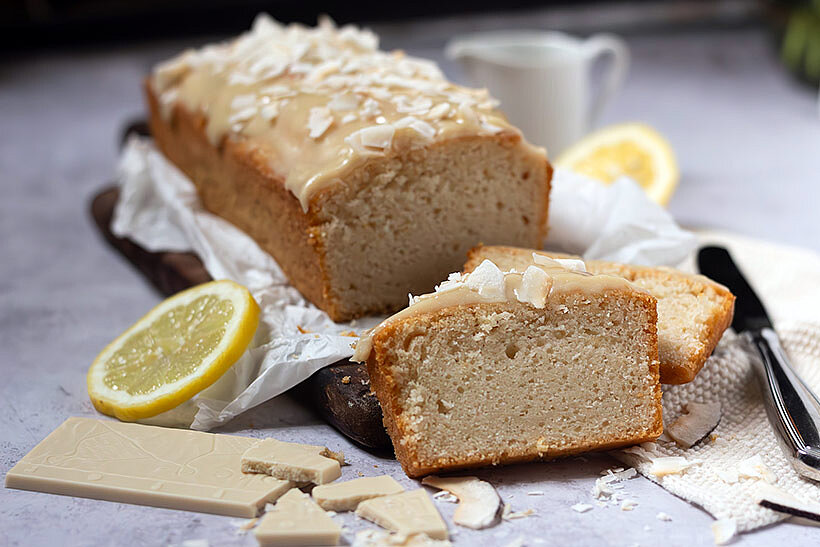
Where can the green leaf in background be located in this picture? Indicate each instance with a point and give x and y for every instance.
(800, 49)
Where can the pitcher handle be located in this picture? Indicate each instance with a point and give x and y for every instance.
(612, 46)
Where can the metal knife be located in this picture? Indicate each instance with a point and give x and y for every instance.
(792, 407)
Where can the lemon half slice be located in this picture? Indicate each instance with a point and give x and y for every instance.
(631, 149)
(178, 349)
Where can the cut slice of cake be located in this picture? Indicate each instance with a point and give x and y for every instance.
(693, 310)
(501, 367)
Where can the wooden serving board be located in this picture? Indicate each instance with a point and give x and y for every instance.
(345, 403)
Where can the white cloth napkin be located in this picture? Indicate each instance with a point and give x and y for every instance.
(788, 280)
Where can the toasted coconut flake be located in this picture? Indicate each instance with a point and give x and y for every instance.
(606, 485)
(320, 121)
(242, 115)
(269, 112)
(755, 468)
(439, 112)
(478, 500)
(700, 419)
(343, 102)
(670, 465)
(724, 530)
(374, 137)
(628, 505)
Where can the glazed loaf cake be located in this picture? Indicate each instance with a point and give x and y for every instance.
(693, 311)
(365, 174)
(500, 367)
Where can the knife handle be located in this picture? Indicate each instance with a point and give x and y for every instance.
(793, 410)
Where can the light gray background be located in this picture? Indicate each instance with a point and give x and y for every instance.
(747, 138)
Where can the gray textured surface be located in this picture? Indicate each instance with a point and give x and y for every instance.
(748, 140)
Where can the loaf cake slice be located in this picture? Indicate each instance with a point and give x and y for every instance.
(693, 310)
(365, 174)
(500, 367)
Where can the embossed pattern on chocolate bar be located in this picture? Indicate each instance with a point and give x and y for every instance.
(146, 465)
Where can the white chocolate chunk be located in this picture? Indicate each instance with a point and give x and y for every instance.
(346, 496)
(700, 419)
(409, 513)
(478, 500)
(581, 507)
(297, 520)
(297, 462)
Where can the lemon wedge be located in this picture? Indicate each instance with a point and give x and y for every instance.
(178, 349)
(631, 149)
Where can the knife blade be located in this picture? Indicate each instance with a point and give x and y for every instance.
(793, 409)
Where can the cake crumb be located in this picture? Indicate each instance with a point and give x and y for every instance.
(628, 505)
(346, 380)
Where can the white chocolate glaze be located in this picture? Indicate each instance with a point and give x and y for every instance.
(488, 284)
(320, 101)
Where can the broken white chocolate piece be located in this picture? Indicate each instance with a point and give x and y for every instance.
(700, 419)
(724, 530)
(581, 507)
(478, 500)
(292, 461)
(408, 513)
(670, 465)
(781, 501)
(297, 520)
(754, 468)
(380, 538)
(346, 496)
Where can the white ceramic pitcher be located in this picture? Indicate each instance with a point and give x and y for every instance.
(542, 79)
